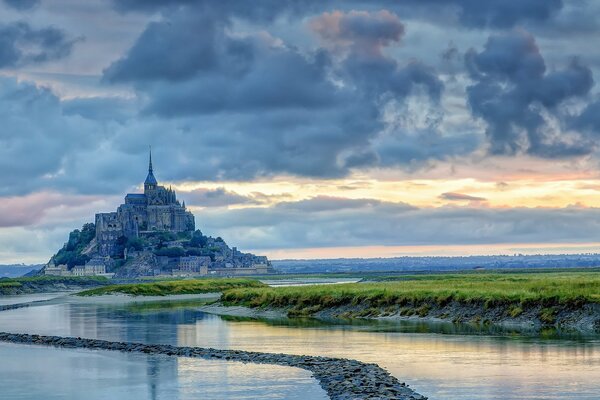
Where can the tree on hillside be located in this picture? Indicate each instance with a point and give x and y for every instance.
(70, 254)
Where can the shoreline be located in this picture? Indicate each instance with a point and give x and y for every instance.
(341, 378)
(583, 320)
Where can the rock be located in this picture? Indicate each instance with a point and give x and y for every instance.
(342, 379)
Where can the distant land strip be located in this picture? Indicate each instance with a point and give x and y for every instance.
(341, 378)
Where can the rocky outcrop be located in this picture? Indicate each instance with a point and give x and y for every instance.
(341, 378)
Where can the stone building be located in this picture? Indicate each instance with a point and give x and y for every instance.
(157, 209)
(192, 265)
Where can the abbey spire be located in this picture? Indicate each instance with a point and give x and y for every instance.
(150, 183)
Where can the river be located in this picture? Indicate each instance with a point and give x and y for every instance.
(433, 359)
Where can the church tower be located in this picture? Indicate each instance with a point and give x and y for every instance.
(150, 183)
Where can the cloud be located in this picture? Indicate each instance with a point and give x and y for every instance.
(318, 223)
(501, 13)
(366, 32)
(520, 101)
(101, 109)
(275, 107)
(362, 36)
(469, 13)
(219, 197)
(31, 209)
(238, 103)
(588, 121)
(22, 5)
(160, 54)
(460, 197)
(20, 44)
(329, 203)
(45, 145)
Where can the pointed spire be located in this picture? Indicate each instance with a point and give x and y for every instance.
(150, 179)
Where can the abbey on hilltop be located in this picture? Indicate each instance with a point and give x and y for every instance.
(157, 209)
(151, 234)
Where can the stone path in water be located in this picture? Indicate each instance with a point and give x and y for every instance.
(341, 378)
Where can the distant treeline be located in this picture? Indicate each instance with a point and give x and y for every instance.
(428, 264)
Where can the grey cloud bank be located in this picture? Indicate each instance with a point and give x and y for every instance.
(515, 95)
(261, 106)
(20, 44)
(223, 90)
(330, 222)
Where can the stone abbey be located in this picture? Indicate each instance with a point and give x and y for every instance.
(157, 209)
(150, 234)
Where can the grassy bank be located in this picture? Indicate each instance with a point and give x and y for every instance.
(174, 287)
(35, 284)
(510, 295)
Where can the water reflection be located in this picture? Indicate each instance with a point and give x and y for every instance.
(431, 357)
(28, 372)
(419, 326)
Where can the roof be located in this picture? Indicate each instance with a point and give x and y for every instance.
(150, 179)
(136, 195)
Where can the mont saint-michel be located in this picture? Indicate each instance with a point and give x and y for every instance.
(150, 234)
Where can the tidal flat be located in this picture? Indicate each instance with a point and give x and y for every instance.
(434, 359)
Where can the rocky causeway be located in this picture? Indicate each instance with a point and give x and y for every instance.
(342, 379)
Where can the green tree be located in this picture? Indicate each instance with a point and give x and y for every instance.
(198, 239)
(170, 252)
(136, 244)
(70, 254)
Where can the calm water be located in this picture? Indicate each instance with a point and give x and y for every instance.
(28, 372)
(439, 365)
(6, 300)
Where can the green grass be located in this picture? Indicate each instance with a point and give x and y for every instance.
(489, 289)
(514, 311)
(10, 284)
(194, 286)
(43, 280)
(43, 283)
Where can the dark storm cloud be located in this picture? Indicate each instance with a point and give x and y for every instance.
(515, 95)
(460, 197)
(589, 120)
(224, 104)
(501, 13)
(273, 108)
(470, 13)
(164, 51)
(361, 37)
(20, 44)
(22, 5)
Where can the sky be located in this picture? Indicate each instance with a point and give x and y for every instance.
(307, 129)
